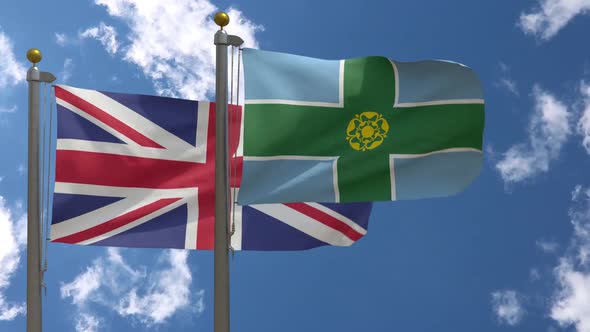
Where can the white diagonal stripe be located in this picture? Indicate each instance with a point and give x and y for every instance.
(106, 213)
(97, 217)
(128, 116)
(304, 224)
(95, 121)
(135, 223)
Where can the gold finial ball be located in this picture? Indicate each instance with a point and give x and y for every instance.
(221, 19)
(34, 55)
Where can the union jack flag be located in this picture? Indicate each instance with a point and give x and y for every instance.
(138, 171)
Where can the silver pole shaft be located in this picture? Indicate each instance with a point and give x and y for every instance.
(33, 214)
(221, 254)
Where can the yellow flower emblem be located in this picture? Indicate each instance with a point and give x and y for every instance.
(366, 131)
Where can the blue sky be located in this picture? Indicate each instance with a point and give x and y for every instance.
(511, 253)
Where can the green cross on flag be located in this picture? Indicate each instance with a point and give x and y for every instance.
(364, 129)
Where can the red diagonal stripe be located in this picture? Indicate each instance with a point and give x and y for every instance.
(326, 219)
(117, 222)
(105, 118)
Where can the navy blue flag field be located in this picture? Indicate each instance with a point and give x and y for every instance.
(138, 171)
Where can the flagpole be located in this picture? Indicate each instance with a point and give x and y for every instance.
(222, 204)
(35, 77)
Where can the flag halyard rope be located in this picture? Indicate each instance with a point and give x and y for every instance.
(234, 134)
(45, 167)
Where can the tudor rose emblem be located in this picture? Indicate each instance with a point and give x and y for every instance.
(366, 131)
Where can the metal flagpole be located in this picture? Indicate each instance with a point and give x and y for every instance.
(35, 77)
(222, 203)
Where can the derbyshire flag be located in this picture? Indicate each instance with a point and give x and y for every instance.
(364, 129)
(138, 171)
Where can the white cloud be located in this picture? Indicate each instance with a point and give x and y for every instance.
(172, 42)
(11, 71)
(200, 305)
(505, 82)
(547, 246)
(576, 192)
(507, 307)
(87, 323)
(61, 39)
(550, 16)
(84, 285)
(150, 298)
(168, 292)
(580, 219)
(503, 67)
(106, 34)
(22, 169)
(571, 303)
(66, 73)
(584, 123)
(11, 109)
(106, 276)
(548, 130)
(12, 241)
(509, 85)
